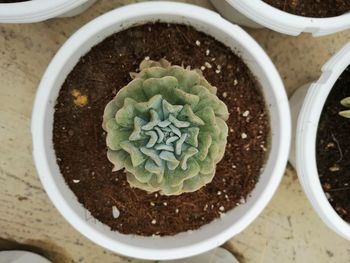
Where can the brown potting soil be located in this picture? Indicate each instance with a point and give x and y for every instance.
(333, 148)
(79, 139)
(312, 8)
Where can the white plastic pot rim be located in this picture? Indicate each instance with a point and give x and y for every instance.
(183, 244)
(287, 23)
(306, 133)
(36, 10)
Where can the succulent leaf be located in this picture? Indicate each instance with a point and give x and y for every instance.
(346, 103)
(166, 128)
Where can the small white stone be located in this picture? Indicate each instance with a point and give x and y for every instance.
(233, 166)
(165, 203)
(202, 68)
(328, 195)
(263, 148)
(155, 195)
(147, 58)
(224, 94)
(205, 207)
(217, 71)
(208, 65)
(76, 181)
(219, 192)
(226, 196)
(221, 208)
(207, 52)
(244, 135)
(231, 130)
(176, 211)
(115, 212)
(246, 113)
(154, 222)
(235, 82)
(198, 43)
(152, 204)
(242, 201)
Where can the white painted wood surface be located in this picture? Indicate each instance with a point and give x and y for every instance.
(287, 231)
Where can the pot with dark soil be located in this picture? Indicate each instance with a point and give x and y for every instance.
(30, 11)
(164, 128)
(290, 17)
(322, 142)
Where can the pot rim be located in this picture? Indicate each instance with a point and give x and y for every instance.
(43, 103)
(306, 134)
(288, 23)
(36, 10)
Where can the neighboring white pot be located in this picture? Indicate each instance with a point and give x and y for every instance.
(183, 244)
(303, 152)
(40, 10)
(255, 13)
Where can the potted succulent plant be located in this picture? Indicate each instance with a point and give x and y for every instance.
(169, 140)
(290, 17)
(155, 129)
(320, 153)
(30, 11)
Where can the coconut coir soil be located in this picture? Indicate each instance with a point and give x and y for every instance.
(333, 148)
(312, 8)
(79, 139)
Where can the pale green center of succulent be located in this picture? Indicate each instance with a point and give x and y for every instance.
(165, 136)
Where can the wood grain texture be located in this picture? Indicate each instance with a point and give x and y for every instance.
(287, 231)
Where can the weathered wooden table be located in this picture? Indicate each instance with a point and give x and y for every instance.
(287, 231)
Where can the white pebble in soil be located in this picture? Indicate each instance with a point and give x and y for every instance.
(115, 212)
(246, 113)
(208, 65)
(244, 135)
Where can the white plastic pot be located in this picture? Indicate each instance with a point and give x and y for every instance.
(40, 10)
(183, 244)
(303, 153)
(256, 13)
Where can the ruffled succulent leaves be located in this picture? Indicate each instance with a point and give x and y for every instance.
(167, 129)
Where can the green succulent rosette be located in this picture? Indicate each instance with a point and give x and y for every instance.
(166, 128)
(346, 103)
